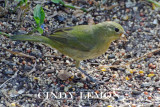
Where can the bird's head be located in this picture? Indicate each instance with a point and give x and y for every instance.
(113, 30)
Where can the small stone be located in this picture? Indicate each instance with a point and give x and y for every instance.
(133, 105)
(141, 14)
(129, 4)
(23, 62)
(103, 69)
(21, 91)
(136, 92)
(112, 56)
(60, 18)
(135, 9)
(125, 18)
(13, 93)
(127, 10)
(67, 88)
(145, 85)
(149, 98)
(141, 72)
(26, 67)
(80, 84)
(9, 72)
(1, 105)
(127, 78)
(151, 75)
(50, 71)
(155, 21)
(13, 104)
(2, 80)
(151, 60)
(46, 6)
(64, 75)
(109, 106)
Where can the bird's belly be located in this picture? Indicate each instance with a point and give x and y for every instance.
(83, 55)
(76, 54)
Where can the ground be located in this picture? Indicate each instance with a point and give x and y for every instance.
(26, 81)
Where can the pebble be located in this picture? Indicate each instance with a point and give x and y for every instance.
(37, 54)
(138, 20)
(112, 56)
(26, 67)
(13, 93)
(2, 105)
(21, 91)
(135, 9)
(60, 18)
(136, 92)
(80, 84)
(155, 21)
(129, 4)
(32, 91)
(8, 72)
(145, 85)
(125, 18)
(50, 71)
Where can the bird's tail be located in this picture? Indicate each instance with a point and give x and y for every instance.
(42, 39)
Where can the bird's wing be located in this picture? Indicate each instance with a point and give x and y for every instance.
(78, 38)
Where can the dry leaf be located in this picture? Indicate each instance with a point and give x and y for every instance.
(78, 13)
(90, 21)
(64, 75)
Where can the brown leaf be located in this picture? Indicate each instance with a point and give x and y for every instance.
(78, 13)
(90, 21)
(64, 75)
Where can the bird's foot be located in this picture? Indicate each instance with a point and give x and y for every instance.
(95, 81)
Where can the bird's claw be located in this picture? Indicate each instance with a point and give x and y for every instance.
(95, 81)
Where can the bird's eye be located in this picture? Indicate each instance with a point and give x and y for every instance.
(116, 29)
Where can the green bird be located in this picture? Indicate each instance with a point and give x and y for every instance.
(80, 42)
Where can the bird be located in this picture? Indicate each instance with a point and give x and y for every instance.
(80, 42)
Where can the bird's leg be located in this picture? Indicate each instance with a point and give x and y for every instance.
(97, 82)
(85, 73)
(77, 63)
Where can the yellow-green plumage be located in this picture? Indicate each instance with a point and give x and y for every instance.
(80, 42)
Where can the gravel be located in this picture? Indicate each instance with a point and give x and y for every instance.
(26, 83)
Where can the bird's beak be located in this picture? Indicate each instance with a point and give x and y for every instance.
(123, 36)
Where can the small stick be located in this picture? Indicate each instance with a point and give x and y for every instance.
(144, 56)
(127, 64)
(14, 76)
(18, 53)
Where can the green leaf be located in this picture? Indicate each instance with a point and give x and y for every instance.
(40, 30)
(21, 2)
(154, 2)
(37, 21)
(39, 15)
(18, 0)
(56, 1)
(68, 5)
(24, 1)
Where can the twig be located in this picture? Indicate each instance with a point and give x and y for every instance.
(18, 53)
(115, 66)
(154, 2)
(33, 69)
(7, 97)
(128, 64)
(144, 56)
(14, 76)
(5, 34)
